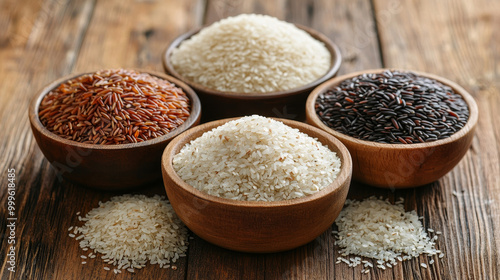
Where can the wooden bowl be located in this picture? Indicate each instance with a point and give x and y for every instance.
(283, 104)
(401, 165)
(109, 167)
(251, 226)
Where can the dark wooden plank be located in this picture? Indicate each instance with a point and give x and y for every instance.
(209, 261)
(204, 258)
(40, 38)
(349, 24)
(135, 34)
(46, 207)
(217, 10)
(25, 54)
(45, 39)
(457, 40)
(316, 259)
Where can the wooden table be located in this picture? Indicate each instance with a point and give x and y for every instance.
(42, 40)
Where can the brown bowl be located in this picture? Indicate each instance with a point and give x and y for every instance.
(283, 104)
(109, 167)
(401, 165)
(251, 226)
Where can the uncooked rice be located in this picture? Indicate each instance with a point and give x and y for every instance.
(376, 229)
(251, 53)
(130, 230)
(256, 159)
(115, 106)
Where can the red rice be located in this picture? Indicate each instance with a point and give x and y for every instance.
(114, 107)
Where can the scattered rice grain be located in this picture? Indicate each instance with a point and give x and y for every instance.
(131, 230)
(366, 229)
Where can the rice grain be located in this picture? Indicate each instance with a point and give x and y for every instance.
(114, 107)
(365, 228)
(256, 159)
(266, 55)
(130, 230)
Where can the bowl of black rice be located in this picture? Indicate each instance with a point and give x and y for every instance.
(403, 128)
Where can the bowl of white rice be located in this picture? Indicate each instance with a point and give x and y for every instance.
(252, 64)
(257, 184)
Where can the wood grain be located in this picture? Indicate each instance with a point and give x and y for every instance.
(55, 32)
(350, 24)
(135, 34)
(457, 39)
(338, 24)
(42, 40)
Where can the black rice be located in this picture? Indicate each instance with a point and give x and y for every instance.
(393, 107)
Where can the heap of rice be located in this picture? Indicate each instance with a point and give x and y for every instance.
(130, 230)
(251, 53)
(256, 159)
(377, 229)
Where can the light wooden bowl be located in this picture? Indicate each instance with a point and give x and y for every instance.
(401, 165)
(283, 104)
(251, 226)
(109, 167)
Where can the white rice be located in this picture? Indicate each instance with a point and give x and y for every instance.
(130, 230)
(379, 230)
(251, 53)
(256, 159)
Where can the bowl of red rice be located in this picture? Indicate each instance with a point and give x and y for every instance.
(107, 129)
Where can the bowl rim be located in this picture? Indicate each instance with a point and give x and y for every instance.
(469, 125)
(193, 118)
(335, 58)
(343, 177)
